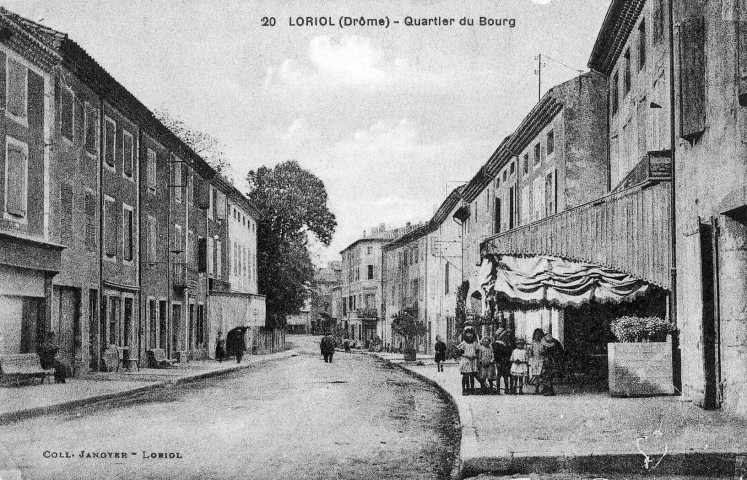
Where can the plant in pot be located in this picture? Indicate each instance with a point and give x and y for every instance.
(407, 325)
(640, 362)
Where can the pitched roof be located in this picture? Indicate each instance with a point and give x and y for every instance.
(616, 28)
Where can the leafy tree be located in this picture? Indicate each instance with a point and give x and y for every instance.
(203, 144)
(293, 203)
(407, 325)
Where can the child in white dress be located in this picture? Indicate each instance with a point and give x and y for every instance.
(518, 366)
(468, 360)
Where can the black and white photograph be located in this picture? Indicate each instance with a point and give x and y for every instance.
(486, 239)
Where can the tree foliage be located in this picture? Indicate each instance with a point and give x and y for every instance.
(407, 325)
(203, 144)
(292, 203)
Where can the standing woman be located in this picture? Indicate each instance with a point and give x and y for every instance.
(468, 360)
(440, 349)
(536, 357)
(220, 347)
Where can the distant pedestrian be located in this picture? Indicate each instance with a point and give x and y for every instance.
(486, 366)
(468, 360)
(346, 344)
(236, 343)
(328, 345)
(440, 349)
(220, 347)
(518, 367)
(503, 345)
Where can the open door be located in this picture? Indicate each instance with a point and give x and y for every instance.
(708, 236)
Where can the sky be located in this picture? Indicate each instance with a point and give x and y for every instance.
(390, 118)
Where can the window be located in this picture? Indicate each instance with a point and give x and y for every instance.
(526, 164)
(66, 214)
(176, 241)
(212, 203)
(190, 187)
(67, 113)
(178, 178)
(538, 198)
(16, 97)
(110, 138)
(658, 16)
(190, 247)
(549, 194)
(615, 92)
(512, 168)
(151, 171)
(210, 259)
(152, 238)
(16, 179)
(218, 259)
(642, 45)
(446, 278)
(91, 121)
(110, 227)
(152, 323)
(505, 175)
(90, 206)
(626, 66)
(128, 152)
(369, 250)
(537, 158)
(497, 219)
(550, 142)
(498, 181)
(128, 233)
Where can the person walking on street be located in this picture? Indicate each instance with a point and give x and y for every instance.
(328, 345)
(552, 351)
(346, 344)
(220, 347)
(440, 349)
(236, 343)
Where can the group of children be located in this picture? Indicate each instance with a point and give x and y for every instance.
(490, 360)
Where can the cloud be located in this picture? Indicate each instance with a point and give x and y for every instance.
(298, 131)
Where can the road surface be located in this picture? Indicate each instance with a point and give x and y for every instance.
(297, 418)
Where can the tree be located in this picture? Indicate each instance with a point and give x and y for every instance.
(292, 203)
(205, 145)
(407, 325)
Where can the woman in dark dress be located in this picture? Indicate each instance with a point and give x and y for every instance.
(440, 349)
(220, 347)
(235, 343)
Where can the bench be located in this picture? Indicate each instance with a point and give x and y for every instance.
(126, 359)
(23, 366)
(157, 359)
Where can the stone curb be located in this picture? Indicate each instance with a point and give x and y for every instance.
(10, 417)
(456, 471)
(470, 465)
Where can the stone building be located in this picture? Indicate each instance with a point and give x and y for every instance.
(710, 158)
(422, 271)
(107, 239)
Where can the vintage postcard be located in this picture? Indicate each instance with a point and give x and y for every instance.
(373, 239)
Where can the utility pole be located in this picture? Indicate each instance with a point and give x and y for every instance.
(539, 74)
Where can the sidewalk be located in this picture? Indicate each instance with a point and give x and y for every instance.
(586, 432)
(17, 403)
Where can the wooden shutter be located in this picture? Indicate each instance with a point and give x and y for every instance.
(152, 238)
(16, 182)
(110, 223)
(66, 213)
(128, 234)
(202, 255)
(110, 142)
(743, 61)
(17, 88)
(692, 78)
(67, 113)
(127, 151)
(90, 205)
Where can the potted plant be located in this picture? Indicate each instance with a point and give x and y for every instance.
(409, 328)
(640, 362)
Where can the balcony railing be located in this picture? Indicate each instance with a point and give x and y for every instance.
(367, 313)
(628, 230)
(183, 276)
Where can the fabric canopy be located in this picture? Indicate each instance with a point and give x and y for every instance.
(551, 280)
